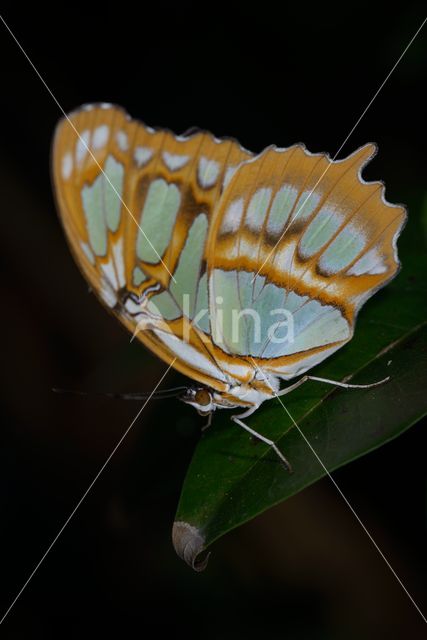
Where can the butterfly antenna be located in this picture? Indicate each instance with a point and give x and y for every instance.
(157, 395)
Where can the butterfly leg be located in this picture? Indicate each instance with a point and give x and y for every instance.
(208, 424)
(259, 436)
(344, 385)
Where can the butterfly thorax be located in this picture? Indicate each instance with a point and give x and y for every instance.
(205, 400)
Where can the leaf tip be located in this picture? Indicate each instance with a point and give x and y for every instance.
(189, 543)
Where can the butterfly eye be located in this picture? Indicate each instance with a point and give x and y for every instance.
(203, 398)
(199, 398)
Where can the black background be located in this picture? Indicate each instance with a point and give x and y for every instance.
(273, 73)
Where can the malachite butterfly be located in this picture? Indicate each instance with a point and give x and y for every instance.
(243, 269)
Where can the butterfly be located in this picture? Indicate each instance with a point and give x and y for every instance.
(198, 246)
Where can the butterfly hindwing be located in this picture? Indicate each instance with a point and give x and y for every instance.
(298, 232)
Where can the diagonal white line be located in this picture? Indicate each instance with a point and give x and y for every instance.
(84, 495)
(343, 496)
(83, 142)
(342, 145)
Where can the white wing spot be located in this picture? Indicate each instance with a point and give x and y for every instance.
(142, 155)
(107, 294)
(100, 136)
(82, 146)
(174, 161)
(122, 140)
(110, 275)
(208, 172)
(257, 209)
(228, 175)
(233, 217)
(371, 263)
(67, 165)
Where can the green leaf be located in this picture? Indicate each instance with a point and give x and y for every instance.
(232, 478)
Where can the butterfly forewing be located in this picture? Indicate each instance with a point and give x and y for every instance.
(136, 205)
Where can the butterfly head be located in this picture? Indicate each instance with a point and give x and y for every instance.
(200, 398)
